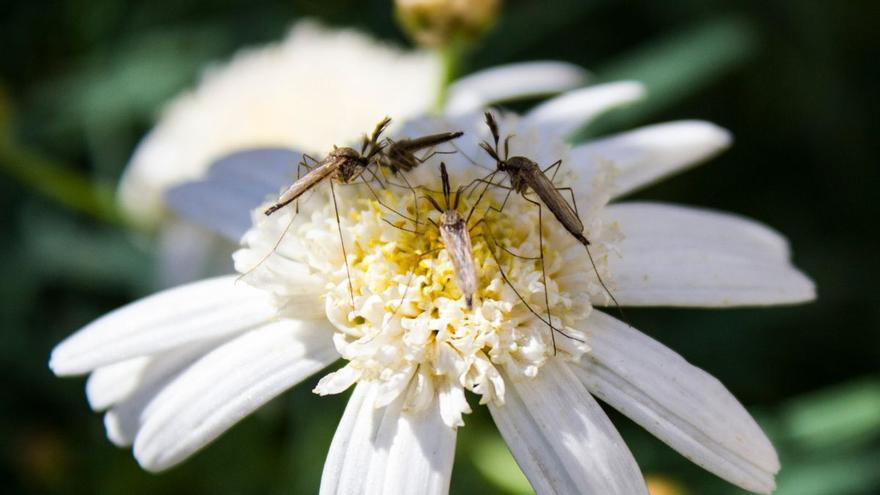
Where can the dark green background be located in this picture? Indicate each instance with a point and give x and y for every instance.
(795, 81)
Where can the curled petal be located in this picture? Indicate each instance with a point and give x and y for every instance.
(565, 114)
(507, 82)
(648, 154)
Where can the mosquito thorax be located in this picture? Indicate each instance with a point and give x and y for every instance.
(451, 218)
(515, 167)
(518, 164)
(352, 163)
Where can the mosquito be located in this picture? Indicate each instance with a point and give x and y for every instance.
(525, 175)
(456, 237)
(345, 165)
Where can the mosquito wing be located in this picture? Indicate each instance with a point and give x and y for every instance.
(457, 240)
(555, 202)
(310, 180)
(399, 155)
(429, 141)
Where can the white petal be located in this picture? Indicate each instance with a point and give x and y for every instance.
(668, 226)
(648, 154)
(124, 419)
(678, 256)
(561, 438)
(338, 381)
(388, 450)
(679, 403)
(109, 384)
(507, 82)
(228, 384)
(565, 114)
(201, 310)
(236, 184)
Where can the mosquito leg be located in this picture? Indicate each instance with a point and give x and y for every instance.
(602, 283)
(431, 155)
(474, 183)
(590, 255)
(305, 157)
(299, 166)
(415, 198)
(411, 231)
(274, 247)
(342, 243)
(377, 177)
(503, 204)
(493, 242)
(555, 165)
(412, 273)
(379, 200)
(543, 270)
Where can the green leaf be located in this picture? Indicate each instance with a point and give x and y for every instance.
(494, 461)
(837, 417)
(674, 68)
(832, 475)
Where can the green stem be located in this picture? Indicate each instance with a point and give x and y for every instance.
(450, 59)
(60, 183)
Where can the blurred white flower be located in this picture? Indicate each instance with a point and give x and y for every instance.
(316, 88)
(177, 369)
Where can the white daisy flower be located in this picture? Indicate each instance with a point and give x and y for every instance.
(177, 369)
(315, 88)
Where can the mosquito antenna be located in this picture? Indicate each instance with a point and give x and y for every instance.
(444, 176)
(433, 203)
(382, 203)
(493, 128)
(507, 146)
(457, 198)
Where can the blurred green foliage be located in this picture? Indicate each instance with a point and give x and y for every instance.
(795, 81)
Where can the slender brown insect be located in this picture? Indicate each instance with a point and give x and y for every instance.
(346, 165)
(457, 239)
(525, 175)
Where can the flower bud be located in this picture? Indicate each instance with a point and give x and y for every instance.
(438, 23)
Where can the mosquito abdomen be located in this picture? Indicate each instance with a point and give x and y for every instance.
(457, 240)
